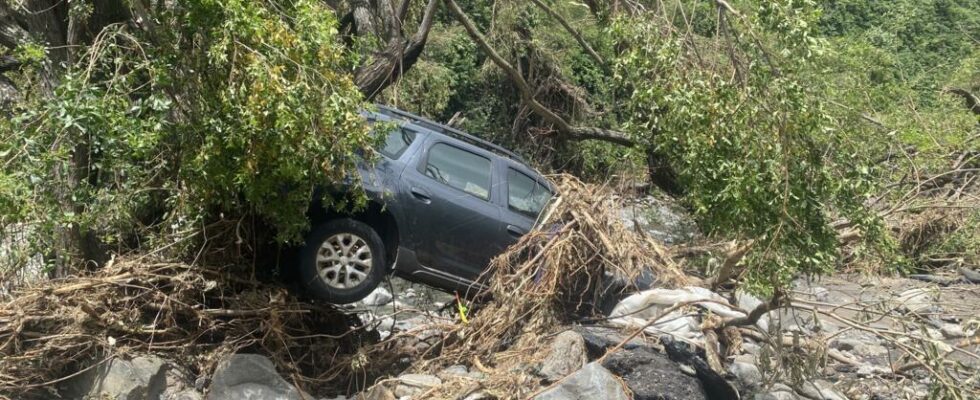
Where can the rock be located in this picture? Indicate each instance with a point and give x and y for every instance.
(651, 375)
(970, 275)
(865, 346)
(186, 394)
(201, 382)
(868, 370)
(776, 395)
(180, 384)
(591, 382)
(453, 371)
(750, 348)
(820, 390)
(250, 377)
(378, 297)
(459, 371)
(748, 375)
(479, 395)
(919, 300)
(376, 392)
(821, 294)
(142, 377)
(415, 384)
(598, 339)
(567, 355)
(952, 331)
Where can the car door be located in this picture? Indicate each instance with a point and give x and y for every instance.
(523, 197)
(449, 195)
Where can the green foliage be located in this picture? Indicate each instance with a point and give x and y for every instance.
(749, 142)
(224, 109)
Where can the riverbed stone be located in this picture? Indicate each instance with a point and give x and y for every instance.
(250, 377)
(591, 382)
(142, 377)
(566, 355)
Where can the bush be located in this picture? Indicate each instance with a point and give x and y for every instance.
(222, 109)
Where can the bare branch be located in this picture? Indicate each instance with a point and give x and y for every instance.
(578, 36)
(527, 94)
(398, 56)
(403, 10)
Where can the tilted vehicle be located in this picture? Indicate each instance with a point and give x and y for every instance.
(442, 203)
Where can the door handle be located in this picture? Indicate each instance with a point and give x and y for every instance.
(421, 195)
(515, 231)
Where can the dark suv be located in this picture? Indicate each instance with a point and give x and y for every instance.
(442, 204)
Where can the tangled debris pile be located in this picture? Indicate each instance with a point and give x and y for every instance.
(528, 340)
(59, 328)
(546, 328)
(580, 257)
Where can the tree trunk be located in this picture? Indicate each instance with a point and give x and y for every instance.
(400, 53)
(662, 174)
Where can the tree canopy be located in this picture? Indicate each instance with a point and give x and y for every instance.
(776, 122)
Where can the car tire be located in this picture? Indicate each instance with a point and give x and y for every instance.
(342, 261)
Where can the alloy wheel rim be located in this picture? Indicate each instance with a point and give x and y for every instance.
(343, 261)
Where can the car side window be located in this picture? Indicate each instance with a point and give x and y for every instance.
(525, 195)
(396, 142)
(460, 169)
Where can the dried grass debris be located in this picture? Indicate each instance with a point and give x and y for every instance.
(193, 315)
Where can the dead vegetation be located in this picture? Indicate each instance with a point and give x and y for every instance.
(538, 285)
(194, 315)
(580, 255)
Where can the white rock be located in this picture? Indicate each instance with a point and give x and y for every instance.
(748, 375)
(821, 390)
(591, 382)
(952, 331)
(378, 297)
(414, 384)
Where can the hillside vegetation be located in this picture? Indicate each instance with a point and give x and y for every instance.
(820, 134)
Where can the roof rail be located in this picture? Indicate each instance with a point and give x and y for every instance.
(448, 130)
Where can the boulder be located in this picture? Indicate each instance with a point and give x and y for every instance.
(591, 382)
(653, 376)
(250, 377)
(567, 355)
(140, 378)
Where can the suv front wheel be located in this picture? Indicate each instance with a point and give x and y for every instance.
(342, 261)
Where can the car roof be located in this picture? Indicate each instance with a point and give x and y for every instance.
(405, 116)
(515, 161)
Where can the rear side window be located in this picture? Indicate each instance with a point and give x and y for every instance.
(525, 195)
(460, 169)
(397, 141)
